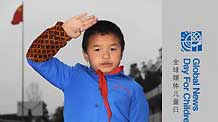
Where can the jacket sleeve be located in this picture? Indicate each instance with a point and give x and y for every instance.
(139, 108)
(54, 71)
(48, 43)
(41, 52)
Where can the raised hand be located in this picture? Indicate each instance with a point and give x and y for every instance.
(77, 24)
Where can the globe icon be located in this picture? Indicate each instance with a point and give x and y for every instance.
(196, 36)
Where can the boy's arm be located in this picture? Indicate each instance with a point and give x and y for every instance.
(139, 109)
(44, 47)
(52, 39)
(48, 43)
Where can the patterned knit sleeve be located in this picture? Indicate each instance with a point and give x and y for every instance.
(48, 43)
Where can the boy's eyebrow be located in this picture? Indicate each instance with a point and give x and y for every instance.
(114, 44)
(95, 45)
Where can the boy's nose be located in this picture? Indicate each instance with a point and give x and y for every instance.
(106, 55)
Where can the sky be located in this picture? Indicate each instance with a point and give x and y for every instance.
(140, 21)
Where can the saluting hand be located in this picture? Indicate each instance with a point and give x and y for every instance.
(77, 24)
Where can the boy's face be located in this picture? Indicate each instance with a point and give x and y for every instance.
(103, 52)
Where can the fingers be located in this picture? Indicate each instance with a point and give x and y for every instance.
(87, 18)
(84, 21)
(81, 15)
(79, 23)
(88, 23)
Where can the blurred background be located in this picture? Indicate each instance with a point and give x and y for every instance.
(21, 87)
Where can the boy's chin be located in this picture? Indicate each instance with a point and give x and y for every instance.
(106, 70)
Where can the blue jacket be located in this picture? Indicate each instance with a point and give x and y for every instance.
(82, 99)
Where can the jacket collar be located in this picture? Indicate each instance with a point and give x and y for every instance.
(116, 71)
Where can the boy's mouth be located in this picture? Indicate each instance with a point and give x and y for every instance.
(106, 64)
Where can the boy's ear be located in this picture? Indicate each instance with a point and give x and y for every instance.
(85, 56)
(121, 56)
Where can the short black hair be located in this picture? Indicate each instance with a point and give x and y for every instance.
(103, 27)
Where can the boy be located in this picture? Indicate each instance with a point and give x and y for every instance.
(99, 93)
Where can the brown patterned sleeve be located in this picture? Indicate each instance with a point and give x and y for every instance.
(48, 43)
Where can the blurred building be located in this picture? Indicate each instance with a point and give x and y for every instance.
(33, 111)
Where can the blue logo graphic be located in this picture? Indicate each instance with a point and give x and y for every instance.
(191, 41)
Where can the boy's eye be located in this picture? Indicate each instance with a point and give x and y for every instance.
(96, 49)
(113, 49)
